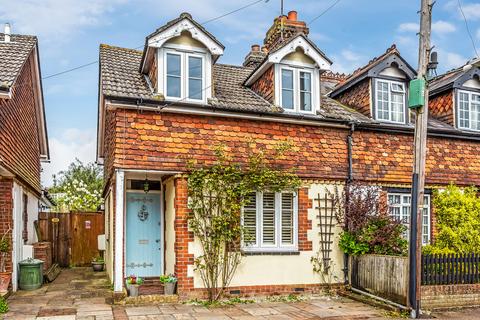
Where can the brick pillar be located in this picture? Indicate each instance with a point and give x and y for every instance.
(182, 238)
(6, 214)
(304, 224)
(43, 251)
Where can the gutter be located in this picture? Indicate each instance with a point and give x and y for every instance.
(209, 111)
(432, 132)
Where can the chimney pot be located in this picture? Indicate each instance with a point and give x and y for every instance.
(7, 32)
(292, 15)
(255, 48)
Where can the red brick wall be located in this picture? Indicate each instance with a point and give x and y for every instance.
(6, 212)
(387, 158)
(166, 142)
(182, 237)
(19, 140)
(357, 97)
(450, 296)
(441, 107)
(265, 85)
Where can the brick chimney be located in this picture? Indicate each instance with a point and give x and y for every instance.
(284, 27)
(254, 57)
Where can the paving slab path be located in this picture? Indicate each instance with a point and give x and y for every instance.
(80, 294)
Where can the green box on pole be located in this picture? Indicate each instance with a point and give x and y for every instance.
(416, 93)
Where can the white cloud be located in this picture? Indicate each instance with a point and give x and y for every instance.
(408, 27)
(72, 143)
(471, 11)
(450, 60)
(55, 19)
(347, 61)
(441, 27)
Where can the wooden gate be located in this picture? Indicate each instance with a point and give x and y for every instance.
(85, 228)
(73, 235)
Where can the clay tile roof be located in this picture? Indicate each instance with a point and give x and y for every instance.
(13, 55)
(120, 78)
(445, 79)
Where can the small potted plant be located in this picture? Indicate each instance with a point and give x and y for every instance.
(169, 282)
(5, 276)
(133, 282)
(98, 263)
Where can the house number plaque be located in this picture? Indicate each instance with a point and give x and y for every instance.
(143, 241)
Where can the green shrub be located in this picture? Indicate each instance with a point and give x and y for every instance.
(430, 249)
(458, 220)
(350, 245)
(3, 305)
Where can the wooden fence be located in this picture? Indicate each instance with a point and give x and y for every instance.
(450, 269)
(73, 235)
(383, 276)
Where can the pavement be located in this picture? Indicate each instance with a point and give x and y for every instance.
(80, 294)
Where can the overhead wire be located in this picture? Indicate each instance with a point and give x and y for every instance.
(468, 28)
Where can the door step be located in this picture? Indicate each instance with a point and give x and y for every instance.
(151, 286)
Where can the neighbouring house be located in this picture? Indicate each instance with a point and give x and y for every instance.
(174, 101)
(23, 142)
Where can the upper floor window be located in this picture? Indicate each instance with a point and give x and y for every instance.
(469, 110)
(184, 76)
(296, 89)
(390, 100)
(270, 221)
(399, 204)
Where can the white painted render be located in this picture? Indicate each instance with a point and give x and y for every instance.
(109, 231)
(169, 188)
(17, 227)
(119, 229)
(284, 269)
(393, 72)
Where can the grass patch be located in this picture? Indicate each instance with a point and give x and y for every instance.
(219, 303)
(289, 298)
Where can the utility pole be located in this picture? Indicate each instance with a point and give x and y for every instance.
(420, 150)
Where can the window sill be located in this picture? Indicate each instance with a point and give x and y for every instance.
(271, 253)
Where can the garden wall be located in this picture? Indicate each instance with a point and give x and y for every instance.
(450, 296)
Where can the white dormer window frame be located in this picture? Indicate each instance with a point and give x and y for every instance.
(468, 110)
(185, 53)
(394, 89)
(297, 69)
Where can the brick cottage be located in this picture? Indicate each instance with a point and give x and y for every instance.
(23, 143)
(174, 101)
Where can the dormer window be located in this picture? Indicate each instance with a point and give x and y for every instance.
(296, 87)
(390, 100)
(469, 110)
(184, 76)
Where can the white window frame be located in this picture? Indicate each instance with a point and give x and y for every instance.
(298, 67)
(470, 110)
(185, 52)
(258, 246)
(390, 82)
(407, 204)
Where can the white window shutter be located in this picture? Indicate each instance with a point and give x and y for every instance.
(287, 218)
(250, 220)
(268, 218)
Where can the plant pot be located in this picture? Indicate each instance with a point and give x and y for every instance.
(133, 290)
(169, 288)
(97, 266)
(5, 278)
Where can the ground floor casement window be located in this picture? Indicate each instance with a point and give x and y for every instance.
(400, 209)
(270, 221)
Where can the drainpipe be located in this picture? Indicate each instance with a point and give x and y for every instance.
(347, 183)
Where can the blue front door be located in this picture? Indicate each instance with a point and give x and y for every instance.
(143, 235)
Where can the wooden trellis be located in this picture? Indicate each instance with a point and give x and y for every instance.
(326, 222)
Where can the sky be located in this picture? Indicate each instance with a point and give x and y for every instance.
(350, 34)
